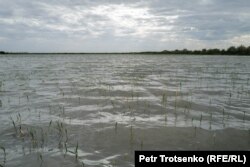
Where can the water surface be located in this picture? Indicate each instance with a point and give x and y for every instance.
(107, 106)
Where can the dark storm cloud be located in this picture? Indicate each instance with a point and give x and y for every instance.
(116, 25)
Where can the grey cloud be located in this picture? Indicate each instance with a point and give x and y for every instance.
(135, 25)
(208, 20)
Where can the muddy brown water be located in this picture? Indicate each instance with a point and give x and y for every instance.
(95, 110)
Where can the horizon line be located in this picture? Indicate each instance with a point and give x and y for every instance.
(241, 49)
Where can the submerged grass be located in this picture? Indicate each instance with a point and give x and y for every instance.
(4, 156)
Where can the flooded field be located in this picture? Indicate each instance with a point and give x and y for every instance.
(95, 110)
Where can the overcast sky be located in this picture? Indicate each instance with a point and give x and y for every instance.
(116, 25)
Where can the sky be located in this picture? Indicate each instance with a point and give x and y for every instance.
(122, 26)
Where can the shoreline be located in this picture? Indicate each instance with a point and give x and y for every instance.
(232, 50)
(122, 53)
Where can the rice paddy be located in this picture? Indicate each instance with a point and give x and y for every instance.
(95, 110)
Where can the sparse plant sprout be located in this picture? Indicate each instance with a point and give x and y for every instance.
(210, 122)
(40, 157)
(223, 113)
(112, 102)
(66, 148)
(131, 134)
(50, 123)
(33, 140)
(76, 151)
(4, 154)
(66, 135)
(244, 116)
(42, 138)
(195, 129)
(166, 118)
(14, 124)
(23, 149)
(164, 99)
(63, 111)
(214, 137)
(200, 119)
(141, 144)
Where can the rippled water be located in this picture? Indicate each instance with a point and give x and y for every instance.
(107, 106)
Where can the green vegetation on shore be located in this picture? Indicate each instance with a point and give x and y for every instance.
(240, 50)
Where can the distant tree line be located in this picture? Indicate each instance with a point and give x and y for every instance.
(240, 50)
